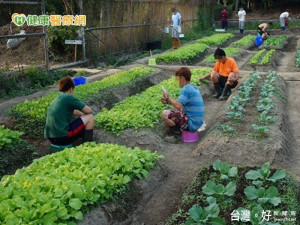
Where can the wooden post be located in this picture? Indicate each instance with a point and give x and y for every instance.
(83, 35)
(45, 37)
(75, 53)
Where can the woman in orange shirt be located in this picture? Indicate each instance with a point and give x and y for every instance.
(224, 75)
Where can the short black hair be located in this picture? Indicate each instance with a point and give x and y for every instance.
(270, 23)
(219, 53)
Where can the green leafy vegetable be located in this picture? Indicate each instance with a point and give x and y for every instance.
(141, 110)
(184, 54)
(263, 196)
(57, 188)
(30, 116)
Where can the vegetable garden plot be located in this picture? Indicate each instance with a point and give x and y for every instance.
(58, 188)
(187, 54)
(230, 52)
(263, 60)
(242, 127)
(262, 57)
(192, 53)
(275, 42)
(142, 110)
(297, 62)
(30, 116)
(247, 42)
(216, 39)
(14, 152)
(223, 194)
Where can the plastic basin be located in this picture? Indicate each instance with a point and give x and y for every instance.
(189, 137)
(79, 80)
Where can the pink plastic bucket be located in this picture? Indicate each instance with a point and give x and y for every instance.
(188, 136)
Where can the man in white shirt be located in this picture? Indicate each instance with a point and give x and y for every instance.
(176, 29)
(283, 18)
(241, 15)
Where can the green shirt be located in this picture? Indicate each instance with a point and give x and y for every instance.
(60, 114)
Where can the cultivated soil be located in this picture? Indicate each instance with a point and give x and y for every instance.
(151, 201)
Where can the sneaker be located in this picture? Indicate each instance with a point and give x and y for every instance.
(202, 128)
(175, 139)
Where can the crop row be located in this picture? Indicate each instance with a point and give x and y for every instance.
(262, 57)
(224, 193)
(216, 39)
(141, 110)
(245, 41)
(14, 151)
(30, 116)
(230, 52)
(189, 53)
(57, 188)
(237, 105)
(265, 104)
(275, 41)
(7, 137)
(297, 63)
(186, 54)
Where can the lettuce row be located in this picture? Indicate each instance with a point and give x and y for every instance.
(58, 188)
(144, 109)
(30, 116)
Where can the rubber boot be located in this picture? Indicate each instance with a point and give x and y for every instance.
(88, 136)
(218, 90)
(173, 43)
(224, 95)
(178, 43)
(242, 32)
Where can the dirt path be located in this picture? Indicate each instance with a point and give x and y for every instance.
(181, 167)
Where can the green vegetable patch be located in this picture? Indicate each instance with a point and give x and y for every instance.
(142, 110)
(297, 63)
(216, 39)
(230, 52)
(275, 41)
(222, 194)
(262, 57)
(14, 152)
(30, 116)
(246, 41)
(58, 188)
(186, 54)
